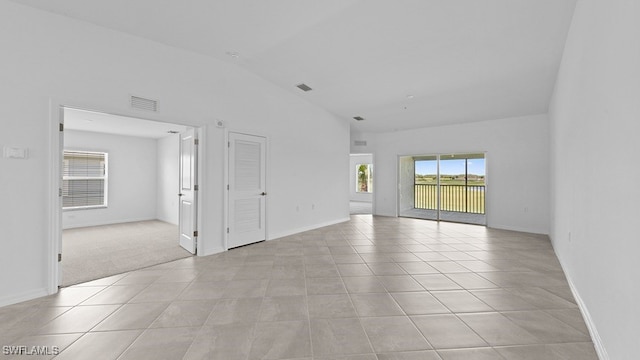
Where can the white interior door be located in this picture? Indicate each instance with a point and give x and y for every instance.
(60, 182)
(247, 191)
(188, 190)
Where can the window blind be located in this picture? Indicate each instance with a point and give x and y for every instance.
(84, 181)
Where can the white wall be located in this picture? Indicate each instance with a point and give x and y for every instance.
(517, 166)
(168, 173)
(354, 161)
(132, 178)
(595, 122)
(56, 59)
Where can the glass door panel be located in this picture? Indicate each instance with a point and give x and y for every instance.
(445, 187)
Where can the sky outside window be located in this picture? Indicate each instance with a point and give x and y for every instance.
(450, 167)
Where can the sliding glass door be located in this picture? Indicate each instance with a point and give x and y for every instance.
(445, 187)
(425, 187)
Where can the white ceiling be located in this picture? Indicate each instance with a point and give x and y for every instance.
(462, 60)
(75, 119)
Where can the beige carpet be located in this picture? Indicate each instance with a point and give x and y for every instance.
(94, 252)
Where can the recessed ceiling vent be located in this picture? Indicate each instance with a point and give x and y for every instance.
(358, 118)
(144, 104)
(360, 142)
(303, 87)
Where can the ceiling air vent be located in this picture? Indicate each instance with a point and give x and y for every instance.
(144, 104)
(358, 118)
(303, 87)
(360, 142)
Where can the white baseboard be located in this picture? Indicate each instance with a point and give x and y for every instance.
(108, 222)
(24, 296)
(306, 228)
(382, 213)
(213, 251)
(519, 229)
(593, 331)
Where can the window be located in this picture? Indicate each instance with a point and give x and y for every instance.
(84, 180)
(364, 183)
(451, 183)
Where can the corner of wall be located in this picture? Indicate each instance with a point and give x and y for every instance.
(289, 232)
(586, 315)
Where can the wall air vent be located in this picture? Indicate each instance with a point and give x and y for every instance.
(303, 87)
(360, 142)
(144, 104)
(358, 118)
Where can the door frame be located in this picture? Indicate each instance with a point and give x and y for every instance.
(227, 131)
(438, 155)
(194, 188)
(374, 179)
(54, 174)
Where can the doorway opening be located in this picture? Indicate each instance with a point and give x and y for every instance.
(120, 181)
(449, 187)
(361, 184)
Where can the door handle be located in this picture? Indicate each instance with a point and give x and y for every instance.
(180, 194)
(263, 193)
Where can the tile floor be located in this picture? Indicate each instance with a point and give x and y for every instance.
(374, 288)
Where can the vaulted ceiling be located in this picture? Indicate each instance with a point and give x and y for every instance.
(399, 64)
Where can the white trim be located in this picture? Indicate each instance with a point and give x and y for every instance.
(438, 160)
(591, 326)
(23, 296)
(110, 222)
(215, 250)
(90, 207)
(56, 109)
(104, 178)
(516, 228)
(373, 194)
(306, 228)
(225, 175)
(225, 189)
(200, 133)
(397, 184)
(54, 206)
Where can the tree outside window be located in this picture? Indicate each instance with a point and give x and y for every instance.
(365, 178)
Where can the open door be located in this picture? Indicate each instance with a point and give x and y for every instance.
(58, 267)
(188, 189)
(247, 190)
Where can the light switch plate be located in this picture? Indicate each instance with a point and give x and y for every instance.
(15, 153)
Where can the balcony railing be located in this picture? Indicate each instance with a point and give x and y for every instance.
(457, 198)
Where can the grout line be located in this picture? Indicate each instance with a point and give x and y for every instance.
(388, 233)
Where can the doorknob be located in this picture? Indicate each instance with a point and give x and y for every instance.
(180, 194)
(263, 193)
